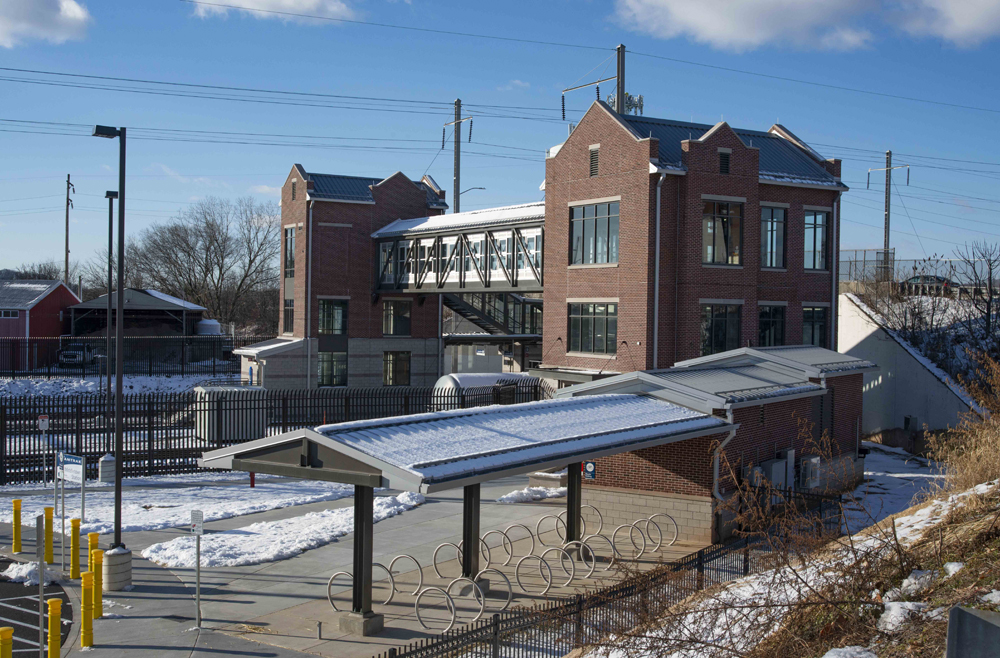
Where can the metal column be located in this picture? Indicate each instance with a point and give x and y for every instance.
(574, 495)
(470, 532)
(364, 508)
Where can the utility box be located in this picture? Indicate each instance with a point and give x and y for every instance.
(226, 415)
(775, 470)
(789, 457)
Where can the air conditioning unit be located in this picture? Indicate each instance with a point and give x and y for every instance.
(754, 475)
(789, 457)
(775, 470)
(809, 472)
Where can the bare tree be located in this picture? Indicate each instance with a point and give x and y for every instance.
(216, 254)
(981, 263)
(95, 271)
(48, 270)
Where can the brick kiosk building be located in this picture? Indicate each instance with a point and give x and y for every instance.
(668, 240)
(783, 400)
(334, 330)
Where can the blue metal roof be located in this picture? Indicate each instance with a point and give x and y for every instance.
(778, 156)
(358, 188)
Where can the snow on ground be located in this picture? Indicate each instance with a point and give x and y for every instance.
(893, 478)
(268, 541)
(27, 573)
(529, 494)
(850, 652)
(201, 477)
(69, 386)
(155, 509)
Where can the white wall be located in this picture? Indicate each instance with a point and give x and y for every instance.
(903, 386)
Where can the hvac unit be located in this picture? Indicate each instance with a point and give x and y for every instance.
(775, 470)
(789, 457)
(754, 475)
(809, 472)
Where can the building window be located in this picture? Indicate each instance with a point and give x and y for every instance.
(772, 237)
(814, 326)
(723, 163)
(815, 240)
(395, 368)
(722, 233)
(293, 190)
(594, 156)
(771, 326)
(289, 252)
(289, 316)
(594, 232)
(333, 316)
(332, 369)
(593, 328)
(720, 328)
(9, 314)
(396, 318)
(385, 262)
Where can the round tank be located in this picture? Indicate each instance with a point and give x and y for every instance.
(208, 328)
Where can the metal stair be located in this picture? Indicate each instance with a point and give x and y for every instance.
(498, 314)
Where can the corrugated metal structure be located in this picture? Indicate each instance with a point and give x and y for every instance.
(357, 189)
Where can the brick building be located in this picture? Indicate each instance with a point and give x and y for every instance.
(786, 402)
(667, 240)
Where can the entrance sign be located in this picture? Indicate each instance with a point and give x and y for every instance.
(589, 470)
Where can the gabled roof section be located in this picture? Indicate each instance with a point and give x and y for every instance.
(137, 299)
(781, 158)
(22, 294)
(811, 361)
(473, 220)
(357, 189)
(447, 449)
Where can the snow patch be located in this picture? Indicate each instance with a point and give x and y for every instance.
(66, 386)
(896, 613)
(993, 598)
(917, 582)
(529, 494)
(27, 573)
(951, 568)
(850, 652)
(269, 541)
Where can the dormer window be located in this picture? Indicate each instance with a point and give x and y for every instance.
(594, 155)
(724, 162)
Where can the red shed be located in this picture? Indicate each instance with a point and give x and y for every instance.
(34, 308)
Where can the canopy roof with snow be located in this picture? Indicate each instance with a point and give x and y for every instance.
(22, 294)
(139, 299)
(474, 220)
(447, 449)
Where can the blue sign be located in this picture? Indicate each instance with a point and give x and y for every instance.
(589, 470)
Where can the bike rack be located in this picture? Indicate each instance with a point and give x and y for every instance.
(571, 574)
(458, 555)
(329, 585)
(530, 536)
(583, 521)
(645, 531)
(593, 556)
(448, 600)
(672, 522)
(420, 571)
(480, 597)
(631, 526)
(506, 543)
(538, 528)
(510, 588)
(614, 551)
(541, 562)
(482, 547)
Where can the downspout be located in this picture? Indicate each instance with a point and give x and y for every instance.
(834, 263)
(656, 282)
(677, 239)
(440, 339)
(718, 453)
(309, 274)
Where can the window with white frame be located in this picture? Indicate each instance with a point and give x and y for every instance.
(9, 314)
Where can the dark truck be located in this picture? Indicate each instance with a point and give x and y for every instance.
(76, 355)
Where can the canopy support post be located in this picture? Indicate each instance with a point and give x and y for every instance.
(362, 620)
(574, 502)
(470, 531)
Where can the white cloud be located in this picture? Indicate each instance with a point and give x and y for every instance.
(515, 84)
(187, 180)
(962, 22)
(52, 20)
(260, 9)
(266, 189)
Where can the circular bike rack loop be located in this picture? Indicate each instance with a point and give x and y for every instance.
(645, 530)
(614, 551)
(541, 562)
(631, 527)
(583, 525)
(329, 586)
(510, 588)
(484, 550)
(458, 556)
(420, 571)
(568, 572)
(673, 523)
(477, 593)
(448, 600)
(505, 542)
(584, 550)
(530, 536)
(538, 528)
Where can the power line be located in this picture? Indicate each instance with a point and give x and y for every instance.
(919, 241)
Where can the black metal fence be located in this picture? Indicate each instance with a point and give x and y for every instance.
(557, 627)
(166, 433)
(144, 355)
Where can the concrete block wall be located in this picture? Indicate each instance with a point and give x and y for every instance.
(693, 514)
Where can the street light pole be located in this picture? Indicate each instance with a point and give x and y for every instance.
(111, 195)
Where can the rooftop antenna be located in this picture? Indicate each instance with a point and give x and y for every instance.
(622, 101)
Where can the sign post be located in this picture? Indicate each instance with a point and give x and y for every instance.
(40, 555)
(197, 529)
(74, 469)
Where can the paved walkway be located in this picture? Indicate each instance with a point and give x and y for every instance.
(272, 609)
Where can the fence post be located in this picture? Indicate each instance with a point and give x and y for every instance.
(284, 413)
(496, 636)
(746, 557)
(406, 404)
(218, 420)
(183, 354)
(79, 428)
(578, 616)
(701, 569)
(3, 444)
(347, 406)
(149, 437)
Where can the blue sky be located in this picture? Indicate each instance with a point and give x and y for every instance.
(942, 50)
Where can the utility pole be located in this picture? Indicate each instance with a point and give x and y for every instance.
(458, 154)
(887, 259)
(69, 204)
(620, 82)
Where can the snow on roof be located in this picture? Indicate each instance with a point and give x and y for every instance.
(474, 219)
(24, 293)
(824, 360)
(474, 379)
(269, 347)
(739, 383)
(448, 445)
(174, 300)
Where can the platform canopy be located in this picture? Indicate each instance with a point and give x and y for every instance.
(446, 449)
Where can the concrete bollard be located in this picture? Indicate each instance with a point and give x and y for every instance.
(87, 610)
(74, 549)
(117, 569)
(49, 559)
(98, 583)
(55, 626)
(16, 541)
(6, 642)
(92, 538)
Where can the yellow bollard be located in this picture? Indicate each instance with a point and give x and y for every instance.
(74, 549)
(6, 642)
(98, 584)
(91, 547)
(55, 627)
(49, 559)
(16, 544)
(87, 610)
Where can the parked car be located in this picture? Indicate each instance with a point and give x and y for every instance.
(76, 354)
(923, 284)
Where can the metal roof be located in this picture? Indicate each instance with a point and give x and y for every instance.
(446, 449)
(780, 159)
(812, 361)
(826, 361)
(487, 218)
(358, 188)
(739, 383)
(22, 294)
(137, 299)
